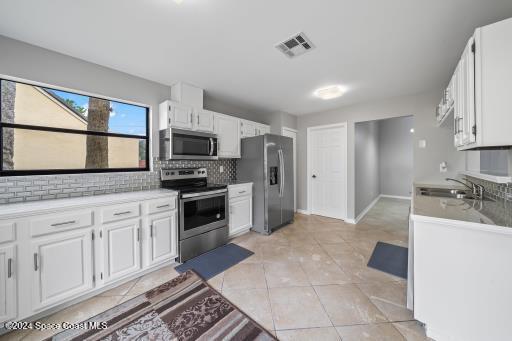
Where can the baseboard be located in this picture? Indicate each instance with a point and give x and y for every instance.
(306, 212)
(394, 197)
(365, 211)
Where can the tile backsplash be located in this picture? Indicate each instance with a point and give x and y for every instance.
(42, 187)
(495, 190)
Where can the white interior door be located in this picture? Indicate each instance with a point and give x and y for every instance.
(327, 165)
(292, 133)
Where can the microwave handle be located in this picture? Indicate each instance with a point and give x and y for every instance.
(211, 146)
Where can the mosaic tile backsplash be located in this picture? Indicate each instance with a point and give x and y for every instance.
(494, 190)
(42, 187)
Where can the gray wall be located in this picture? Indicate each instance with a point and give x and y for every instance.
(366, 137)
(37, 64)
(426, 161)
(495, 162)
(234, 110)
(396, 156)
(33, 63)
(278, 120)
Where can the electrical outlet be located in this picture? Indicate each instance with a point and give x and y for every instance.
(221, 169)
(443, 167)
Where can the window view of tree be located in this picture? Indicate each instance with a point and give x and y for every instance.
(46, 129)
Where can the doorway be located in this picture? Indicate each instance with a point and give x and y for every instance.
(327, 170)
(292, 133)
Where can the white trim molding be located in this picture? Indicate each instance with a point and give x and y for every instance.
(394, 196)
(370, 206)
(366, 210)
(300, 211)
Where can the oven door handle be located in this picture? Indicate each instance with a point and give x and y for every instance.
(193, 195)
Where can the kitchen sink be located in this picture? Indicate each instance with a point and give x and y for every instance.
(446, 193)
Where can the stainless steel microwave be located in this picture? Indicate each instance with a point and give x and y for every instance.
(179, 144)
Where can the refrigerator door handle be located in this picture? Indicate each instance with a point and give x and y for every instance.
(281, 169)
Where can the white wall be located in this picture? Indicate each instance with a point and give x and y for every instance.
(367, 177)
(426, 161)
(396, 156)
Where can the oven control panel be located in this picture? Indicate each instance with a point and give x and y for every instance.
(183, 173)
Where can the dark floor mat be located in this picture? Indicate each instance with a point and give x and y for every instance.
(215, 261)
(389, 258)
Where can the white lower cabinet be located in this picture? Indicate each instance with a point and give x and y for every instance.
(240, 208)
(240, 214)
(51, 257)
(163, 237)
(62, 267)
(121, 249)
(7, 283)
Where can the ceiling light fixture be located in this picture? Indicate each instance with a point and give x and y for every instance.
(330, 92)
(412, 130)
(178, 1)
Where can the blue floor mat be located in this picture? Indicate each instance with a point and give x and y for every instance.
(390, 258)
(215, 261)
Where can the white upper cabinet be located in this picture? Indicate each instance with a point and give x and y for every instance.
(247, 128)
(227, 129)
(250, 128)
(203, 120)
(175, 115)
(181, 116)
(482, 99)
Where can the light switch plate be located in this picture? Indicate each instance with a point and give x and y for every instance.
(422, 143)
(221, 169)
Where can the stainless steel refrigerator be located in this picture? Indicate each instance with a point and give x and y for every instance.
(267, 161)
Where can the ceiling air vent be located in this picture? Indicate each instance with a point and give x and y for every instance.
(296, 45)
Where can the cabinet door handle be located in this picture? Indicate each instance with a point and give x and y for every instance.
(64, 223)
(138, 234)
(122, 213)
(151, 233)
(190, 118)
(35, 262)
(9, 268)
(241, 192)
(197, 119)
(162, 206)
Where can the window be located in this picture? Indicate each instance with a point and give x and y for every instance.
(50, 131)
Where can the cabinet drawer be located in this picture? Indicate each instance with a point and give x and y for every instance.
(120, 212)
(62, 221)
(7, 232)
(239, 190)
(161, 205)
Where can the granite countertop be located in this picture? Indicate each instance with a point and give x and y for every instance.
(487, 212)
(234, 182)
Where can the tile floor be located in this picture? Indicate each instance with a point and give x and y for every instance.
(306, 281)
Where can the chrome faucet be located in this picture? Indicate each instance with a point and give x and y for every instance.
(476, 189)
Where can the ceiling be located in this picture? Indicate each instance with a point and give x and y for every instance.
(377, 49)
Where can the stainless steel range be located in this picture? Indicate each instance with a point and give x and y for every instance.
(203, 210)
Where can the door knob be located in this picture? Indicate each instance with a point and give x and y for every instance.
(314, 176)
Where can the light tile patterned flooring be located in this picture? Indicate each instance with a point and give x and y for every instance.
(307, 281)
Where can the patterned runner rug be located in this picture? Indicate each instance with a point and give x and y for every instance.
(185, 308)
